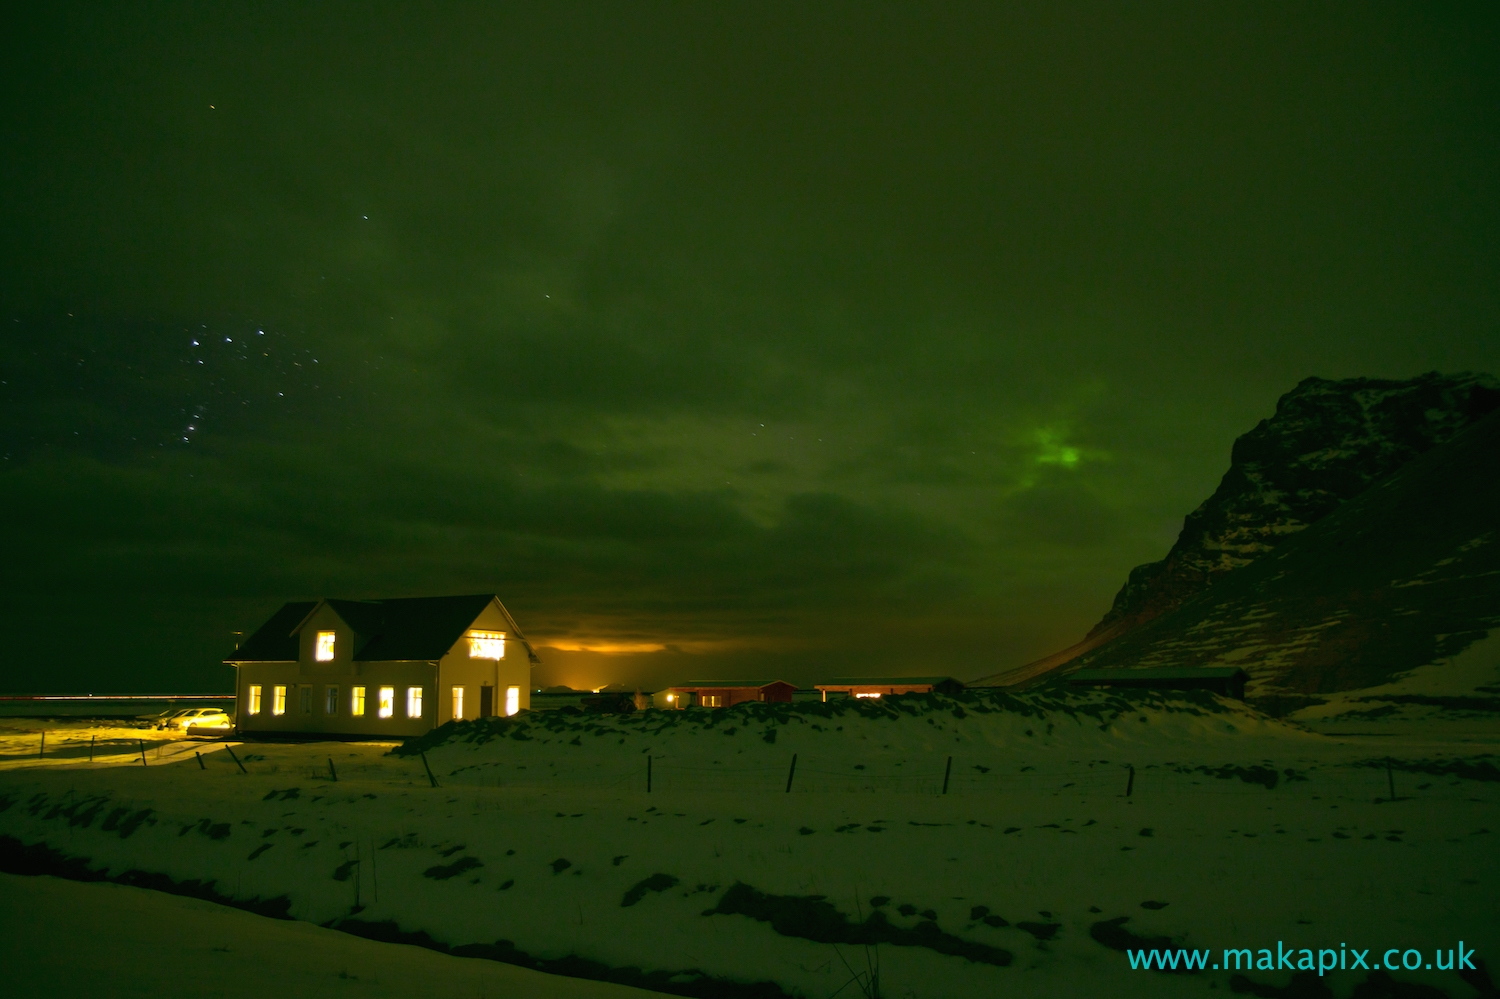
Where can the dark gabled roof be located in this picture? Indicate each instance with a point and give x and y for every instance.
(1126, 675)
(401, 629)
(366, 617)
(419, 627)
(274, 641)
(886, 681)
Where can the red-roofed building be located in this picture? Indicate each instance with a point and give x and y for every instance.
(727, 693)
(888, 686)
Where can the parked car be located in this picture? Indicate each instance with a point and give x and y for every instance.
(167, 718)
(197, 718)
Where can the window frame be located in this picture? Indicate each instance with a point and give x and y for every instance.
(386, 704)
(457, 696)
(489, 645)
(325, 646)
(252, 699)
(278, 699)
(414, 702)
(356, 702)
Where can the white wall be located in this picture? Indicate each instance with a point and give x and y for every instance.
(457, 669)
(371, 676)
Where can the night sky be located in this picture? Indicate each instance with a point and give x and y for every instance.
(718, 339)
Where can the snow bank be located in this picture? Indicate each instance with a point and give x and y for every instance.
(535, 841)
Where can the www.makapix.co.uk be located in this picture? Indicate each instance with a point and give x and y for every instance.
(1322, 960)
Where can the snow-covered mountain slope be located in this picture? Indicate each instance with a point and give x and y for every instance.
(1327, 442)
(1404, 576)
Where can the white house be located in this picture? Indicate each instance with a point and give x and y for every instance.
(381, 667)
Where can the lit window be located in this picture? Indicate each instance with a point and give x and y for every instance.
(458, 704)
(306, 698)
(387, 701)
(278, 700)
(867, 695)
(486, 645)
(331, 705)
(712, 700)
(253, 705)
(512, 700)
(413, 702)
(357, 702)
(325, 647)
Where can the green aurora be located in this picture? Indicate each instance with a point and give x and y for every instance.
(718, 339)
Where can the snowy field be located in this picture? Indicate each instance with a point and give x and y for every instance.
(75, 742)
(145, 943)
(1031, 876)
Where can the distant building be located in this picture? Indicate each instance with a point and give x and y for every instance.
(1228, 681)
(378, 668)
(885, 686)
(727, 693)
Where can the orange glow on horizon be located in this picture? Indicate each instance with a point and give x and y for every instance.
(605, 647)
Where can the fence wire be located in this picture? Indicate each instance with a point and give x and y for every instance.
(1373, 778)
(969, 779)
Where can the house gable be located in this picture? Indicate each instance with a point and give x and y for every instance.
(276, 640)
(325, 617)
(405, 629)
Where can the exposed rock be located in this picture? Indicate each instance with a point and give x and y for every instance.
(1404, 575)
(1328, 442)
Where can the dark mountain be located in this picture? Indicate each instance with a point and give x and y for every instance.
(1404, 574)
(1328, 441)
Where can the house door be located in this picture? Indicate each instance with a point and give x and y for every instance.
(486, 701)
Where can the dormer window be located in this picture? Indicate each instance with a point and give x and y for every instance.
(324, 652)
(486, 645)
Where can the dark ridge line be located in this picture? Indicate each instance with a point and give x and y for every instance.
(637, 891)
(1475, 768)
(39, 859)
(700, 986)
(1112, 934)
(812, 918)
(1044, 701)
(1451, 703)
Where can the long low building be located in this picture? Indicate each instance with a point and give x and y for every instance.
(1226, 680)
(380, 668)
(727, 693)
(885, 686)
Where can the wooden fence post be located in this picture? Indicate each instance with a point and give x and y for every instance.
(236, 759)
(648, 774)
(946, 771)
(791, 773)
(201, 764)
(1130, 781)
(428, 768)
(43, 748)
(91, 747)
(332, 772)
(142, 743)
